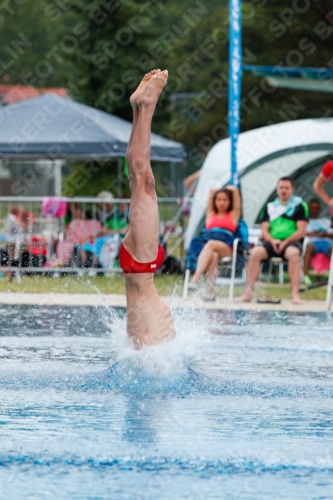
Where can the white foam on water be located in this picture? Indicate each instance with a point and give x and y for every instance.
(168, 360)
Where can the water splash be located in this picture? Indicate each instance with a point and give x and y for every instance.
(161, 364)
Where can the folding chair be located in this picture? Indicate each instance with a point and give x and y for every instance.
(239, 250)
(224, 263)
(231, 264)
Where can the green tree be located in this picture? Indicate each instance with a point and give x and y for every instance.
(108, 40)
(27, 37)
(284, 33)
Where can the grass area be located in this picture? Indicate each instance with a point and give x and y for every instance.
(165, 285)
(73, 284)
(283, 292)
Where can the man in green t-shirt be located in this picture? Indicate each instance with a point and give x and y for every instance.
(283, 224)
(112, 220)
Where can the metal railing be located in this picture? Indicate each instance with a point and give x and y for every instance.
(32, 241)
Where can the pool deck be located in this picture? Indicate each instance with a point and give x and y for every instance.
(63, 299)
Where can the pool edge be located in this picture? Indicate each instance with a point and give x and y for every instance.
(175, 302)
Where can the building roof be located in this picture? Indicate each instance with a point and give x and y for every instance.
(11, 94)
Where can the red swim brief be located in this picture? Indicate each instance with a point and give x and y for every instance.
(131, 266)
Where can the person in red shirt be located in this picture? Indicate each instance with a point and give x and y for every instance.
(325, 175)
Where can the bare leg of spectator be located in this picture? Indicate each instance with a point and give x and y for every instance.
(292, 255)
(84, 256)
(206, 256)
(253, 269)
(212, 272)
(307, 258)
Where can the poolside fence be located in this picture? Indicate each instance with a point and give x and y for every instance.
(78, 235)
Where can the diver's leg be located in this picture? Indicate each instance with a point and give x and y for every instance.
(133, 100)
(142, 238)
(149, 319)
(130, 142)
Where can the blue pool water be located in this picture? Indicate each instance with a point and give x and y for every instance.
(240, 406)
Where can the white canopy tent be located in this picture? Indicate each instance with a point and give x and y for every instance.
(264, 155)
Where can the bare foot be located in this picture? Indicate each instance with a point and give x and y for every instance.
(246, 297)
(149, 94)
(134, 97)
(295, 299)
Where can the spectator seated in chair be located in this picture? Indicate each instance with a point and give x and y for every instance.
(222, 217)
(106, 212)
(77, 232)
(75, 211)
(120, 223)
(283, 224)
(13, 226)
(114, 222)
(321, 238)
(17, 227)
(14, 230)
(101, 252)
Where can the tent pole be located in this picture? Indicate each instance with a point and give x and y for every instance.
(235, 79)
(58, 177)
